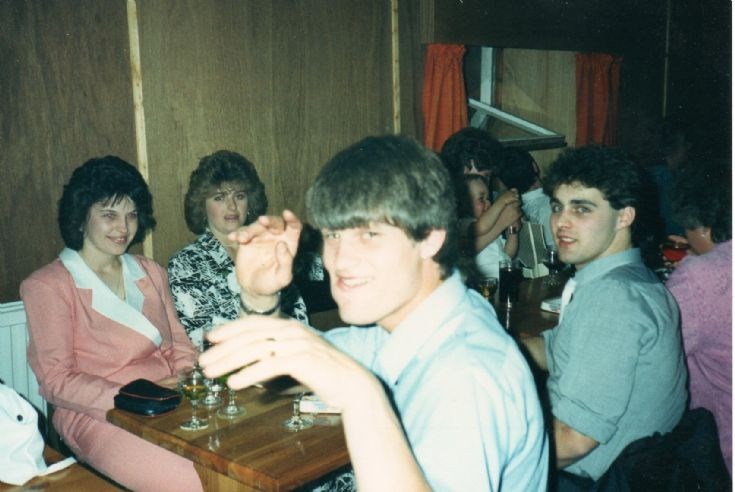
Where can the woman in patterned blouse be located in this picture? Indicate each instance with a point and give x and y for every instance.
(224, 194)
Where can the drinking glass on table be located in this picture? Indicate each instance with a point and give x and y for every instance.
(214, 385)
(511, 274)
(232, 410)
(487, 287)
(674, 251)
(191, 385)
(555, 265)
(298, 422)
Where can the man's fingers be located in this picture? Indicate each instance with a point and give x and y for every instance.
(272, 223)
(284, 262)
(258, 372)
(291, 220)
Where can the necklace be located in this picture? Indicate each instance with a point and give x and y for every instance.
(120, 290)
(114, 282)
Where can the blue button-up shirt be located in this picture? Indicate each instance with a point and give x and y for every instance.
(616, 369)
(464, 392)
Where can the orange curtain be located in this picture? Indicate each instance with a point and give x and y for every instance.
(444, 102)
(598, 88)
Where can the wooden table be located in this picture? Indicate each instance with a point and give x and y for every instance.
(256, 452)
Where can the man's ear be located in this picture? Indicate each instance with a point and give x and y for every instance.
(433, 243)
(626, 216)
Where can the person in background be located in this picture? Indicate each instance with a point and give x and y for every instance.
(615, 361)
(490, 222)
(461, 410)
(100, 318)
(224, 193)
(469, 151)
(702, 285)
(668, 152)
(518, 169)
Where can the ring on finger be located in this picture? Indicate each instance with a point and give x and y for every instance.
(272, 342)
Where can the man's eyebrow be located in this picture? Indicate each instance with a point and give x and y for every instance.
(575, 201)
(582, 201)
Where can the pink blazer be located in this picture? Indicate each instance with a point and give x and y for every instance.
(81, 356)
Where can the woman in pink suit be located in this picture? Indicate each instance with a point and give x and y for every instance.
(100, 318)
(702, 285)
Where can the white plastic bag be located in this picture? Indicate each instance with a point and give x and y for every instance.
(21, 444)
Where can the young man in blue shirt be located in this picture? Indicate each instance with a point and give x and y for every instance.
(616, 370)
(463, 393)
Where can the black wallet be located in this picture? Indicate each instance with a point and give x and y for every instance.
(146, 398)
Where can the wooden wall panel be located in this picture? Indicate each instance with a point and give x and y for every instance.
(65, 96)
(285, 83)
(540, 86)
(411, 68)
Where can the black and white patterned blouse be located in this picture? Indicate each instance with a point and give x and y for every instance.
(205, 289)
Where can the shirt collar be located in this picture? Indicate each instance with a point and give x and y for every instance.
(533, 194)
(603, 265)
(420, 327)
(128, 312)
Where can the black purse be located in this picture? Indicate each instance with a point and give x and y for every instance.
(146, 398)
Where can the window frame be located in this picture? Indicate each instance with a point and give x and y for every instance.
(542, 138)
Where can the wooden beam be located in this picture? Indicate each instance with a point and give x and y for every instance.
(138, 109)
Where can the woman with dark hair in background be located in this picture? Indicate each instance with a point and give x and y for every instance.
(702, 285)
(224, 194)
(100, 318)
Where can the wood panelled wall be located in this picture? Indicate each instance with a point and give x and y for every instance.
(286, 83)
(65, 96)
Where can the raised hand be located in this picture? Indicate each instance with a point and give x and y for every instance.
(510, 215)
(265, 253)
(508, 197)
(263, 348)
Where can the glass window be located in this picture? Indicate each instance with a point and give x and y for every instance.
(499, 95)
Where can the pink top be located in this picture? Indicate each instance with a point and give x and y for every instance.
(702, 285)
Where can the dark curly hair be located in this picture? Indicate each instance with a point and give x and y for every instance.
(702, 197)
(104, 180)
(517, 169)
(460, 151)
(470, 144)
(222, 167)
(620, 180)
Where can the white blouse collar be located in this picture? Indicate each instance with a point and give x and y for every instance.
(108, 304)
